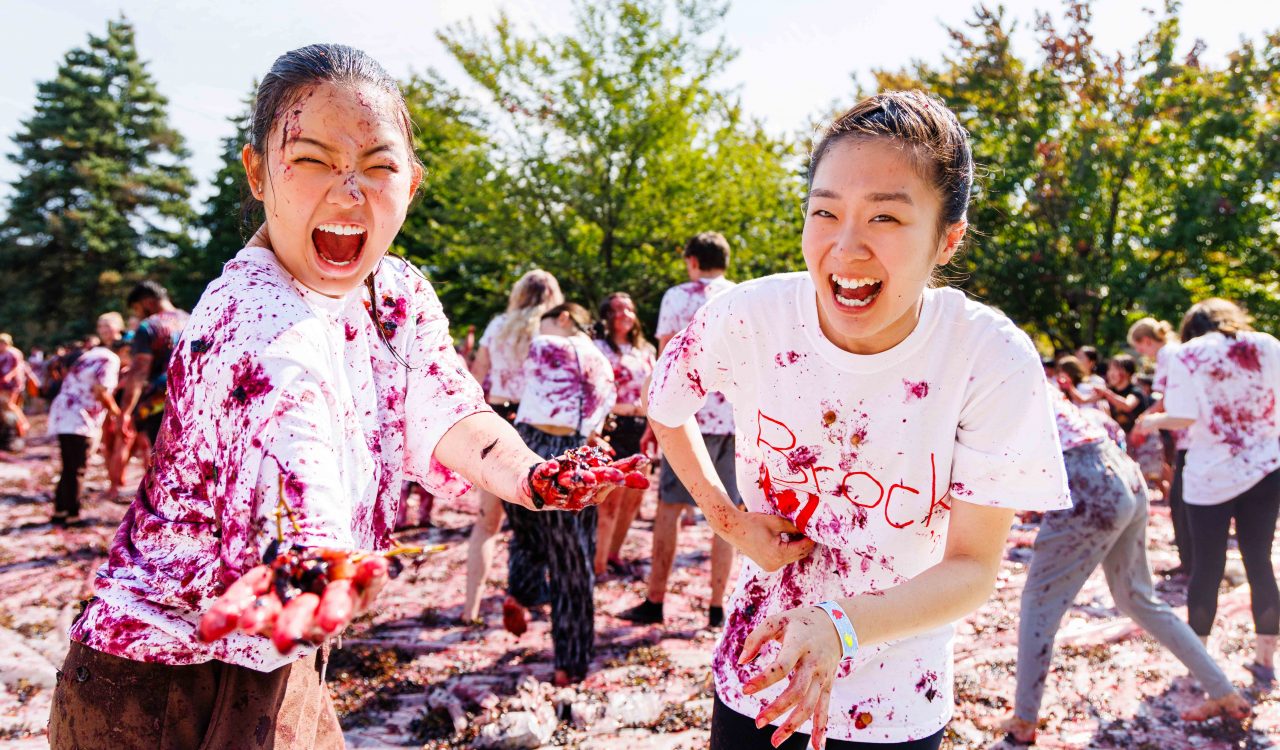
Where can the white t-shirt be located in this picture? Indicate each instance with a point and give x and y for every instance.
(631, 368)
(863, 453)
(1229, 386)
(276, 387)
(567, 383)
(1075, 426)
(679, 304)
(506, 369)
(1088, 388)
(1160, 383)
(76, 411)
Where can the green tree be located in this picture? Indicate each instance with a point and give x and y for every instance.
(102, 187)
(1112, 185)
(614, 146)
(222, 226)
(459, 229)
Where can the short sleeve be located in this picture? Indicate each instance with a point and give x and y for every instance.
(1007, 452)
(694, 363)
(439, 394)
(142, 339)
(110, 377)
(1180, 399)
(667, 314)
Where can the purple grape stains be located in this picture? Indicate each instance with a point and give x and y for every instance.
(350, 331)
(928, 685)
(1245, 354)
(248, 380)
(959, 490)
(782, 359)
(801, 458)
(915, 389)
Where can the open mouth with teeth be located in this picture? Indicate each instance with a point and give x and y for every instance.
(339, 244)
(855, 292)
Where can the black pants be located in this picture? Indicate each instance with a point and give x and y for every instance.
(75, 456)
(550, 555)
(731, 730)
(1255, 514)
(1178, 511)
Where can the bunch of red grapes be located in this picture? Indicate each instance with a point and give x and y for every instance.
(569, 481)
(296, 586)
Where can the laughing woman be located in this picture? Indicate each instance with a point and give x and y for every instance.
(896, 426)
(315, 374)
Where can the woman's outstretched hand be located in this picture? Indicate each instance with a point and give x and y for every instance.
(810, 654)
(581, 477)
(302, 595)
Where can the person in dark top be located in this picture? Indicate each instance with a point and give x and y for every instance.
(1126, 399)
(153, 345)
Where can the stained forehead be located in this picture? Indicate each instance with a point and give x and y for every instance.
(343, 114)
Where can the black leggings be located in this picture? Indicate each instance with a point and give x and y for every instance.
(731, 730)
(1255, 514)
(75, 456)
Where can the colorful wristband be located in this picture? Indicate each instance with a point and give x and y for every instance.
(844, 628)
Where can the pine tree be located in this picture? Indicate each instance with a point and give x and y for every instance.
(222, 225)
(103, 188)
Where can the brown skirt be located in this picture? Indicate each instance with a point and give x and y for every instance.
(104, 701)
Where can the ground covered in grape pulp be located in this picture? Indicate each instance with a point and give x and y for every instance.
(409, 676)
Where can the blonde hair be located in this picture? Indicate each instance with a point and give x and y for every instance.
(112, 318)
(532, 295)
(1159, 331)
(6, 338)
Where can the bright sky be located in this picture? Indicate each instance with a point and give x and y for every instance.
(795, 60)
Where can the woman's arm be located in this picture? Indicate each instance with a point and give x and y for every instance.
(960, 583)
(758, 535)
(1151, 421)
(487, 450)
(1125, 404)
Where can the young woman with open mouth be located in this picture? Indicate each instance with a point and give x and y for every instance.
(887, 430)
(314, 376)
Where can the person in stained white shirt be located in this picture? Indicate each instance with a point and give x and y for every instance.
(886, 433)
(315, 375)
(621, 340)
(568, 392)
(706, 259)
(78, 412)
(499, 366)
(1223, 387)
(1105, 526)
(1156, 340)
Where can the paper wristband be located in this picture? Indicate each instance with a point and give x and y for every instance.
(844, 628)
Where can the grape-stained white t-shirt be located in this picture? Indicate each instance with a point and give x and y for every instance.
(1229, 386)
(567, 383)
(1160, 383)
(679, 304)
(506, 368)
(277, 394)
(76, 410)
(632, 366)
(865, 453)
(1075, 426)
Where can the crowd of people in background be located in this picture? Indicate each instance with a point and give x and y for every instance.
(104, 393)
